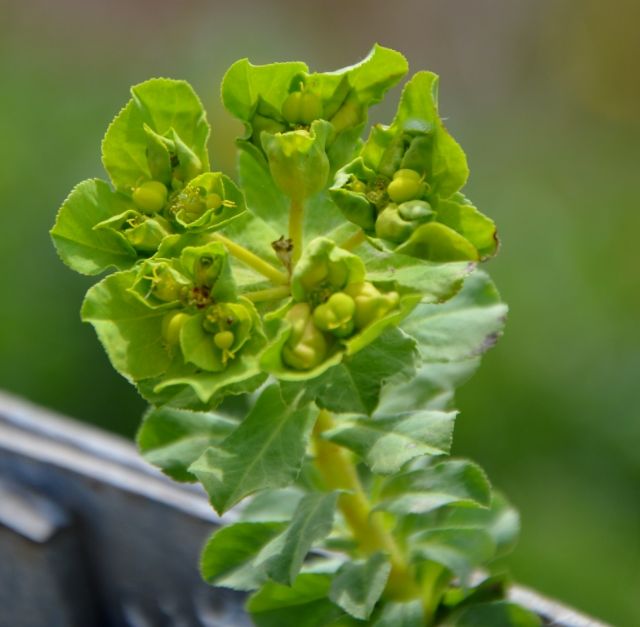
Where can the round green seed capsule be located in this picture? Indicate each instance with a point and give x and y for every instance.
(224, 340)
(406, 173)
(172, 324)
(406, 185)
(150, 197)
(342, 305)
(310, 108)
(324, 317)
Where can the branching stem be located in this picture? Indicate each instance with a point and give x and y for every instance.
(367, 527)
(252, 260)
(354, 241)
(271, 293)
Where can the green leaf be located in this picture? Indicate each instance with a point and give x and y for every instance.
(432, 387)
(161, 104)
(265, 451)
(436, 281)
(500, 521)
(249, 552)
(312, 521)
(418, 492)
(354, 385)
(464, 327)
(272, 505)
(227, 558)
(376, 73)
(436, 242)
(307, 599)
(321, 218)
(83, 248)
(245, 84)
(130, 332)
(446, 167)
(502, 613)
(357, 586)
(460, 550)
(401, 614)
(172, 439)
(264, 198)
(460, 215)
(187, 387)
(386, 443)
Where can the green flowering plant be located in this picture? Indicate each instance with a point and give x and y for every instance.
(334, 295)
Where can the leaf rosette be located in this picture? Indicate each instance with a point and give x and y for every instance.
(403, 190)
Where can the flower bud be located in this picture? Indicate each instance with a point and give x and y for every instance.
(172, 324)
(306, 347)
(150, 197)
(406, 185)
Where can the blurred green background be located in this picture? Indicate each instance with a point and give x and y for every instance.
(545, 98)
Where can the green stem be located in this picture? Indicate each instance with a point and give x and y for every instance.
(354, 241)
(434, 580)
(272, 293)
(252, 260)
(367, 527)
(296, 214)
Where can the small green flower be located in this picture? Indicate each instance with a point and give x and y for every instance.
(143, 232)
(297, 159)
(207, 202)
